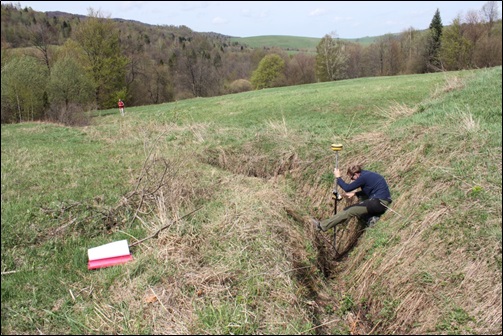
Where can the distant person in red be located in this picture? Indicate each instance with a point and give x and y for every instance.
(121, 106)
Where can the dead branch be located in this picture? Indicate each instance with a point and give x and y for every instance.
(163, 228)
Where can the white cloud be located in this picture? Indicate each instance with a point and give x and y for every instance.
(318, 12)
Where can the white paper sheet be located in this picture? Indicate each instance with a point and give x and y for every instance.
(115, 249)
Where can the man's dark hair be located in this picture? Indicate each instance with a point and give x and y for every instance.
(354, 169)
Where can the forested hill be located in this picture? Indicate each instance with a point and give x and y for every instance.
(17, 26)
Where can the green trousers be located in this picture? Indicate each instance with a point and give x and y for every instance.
(357, 210)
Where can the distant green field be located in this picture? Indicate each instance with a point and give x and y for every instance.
(292, 43)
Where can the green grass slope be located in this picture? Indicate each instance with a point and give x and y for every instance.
(280, 41)
(214, 195)
(291, 43)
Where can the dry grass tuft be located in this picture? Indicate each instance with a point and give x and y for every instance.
(396, 111)
(465, 121)
(452, 83)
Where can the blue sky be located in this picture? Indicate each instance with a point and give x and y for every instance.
(347, 19)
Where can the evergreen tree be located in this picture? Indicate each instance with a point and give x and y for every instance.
(434, 42)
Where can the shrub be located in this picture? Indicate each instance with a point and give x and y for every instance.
(240, 85)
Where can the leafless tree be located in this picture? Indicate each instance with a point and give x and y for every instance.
(42, 36)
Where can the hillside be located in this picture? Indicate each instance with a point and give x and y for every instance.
(291, 43)
(214, 196)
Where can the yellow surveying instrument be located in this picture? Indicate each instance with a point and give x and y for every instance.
(336, 147)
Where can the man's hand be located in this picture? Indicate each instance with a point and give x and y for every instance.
(350, 194)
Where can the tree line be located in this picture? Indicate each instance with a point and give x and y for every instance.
(57, 66)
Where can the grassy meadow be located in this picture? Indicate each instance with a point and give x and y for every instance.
(221, 190)
(283, 42)
(300, 43)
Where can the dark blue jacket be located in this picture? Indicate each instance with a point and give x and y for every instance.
(372, 184)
